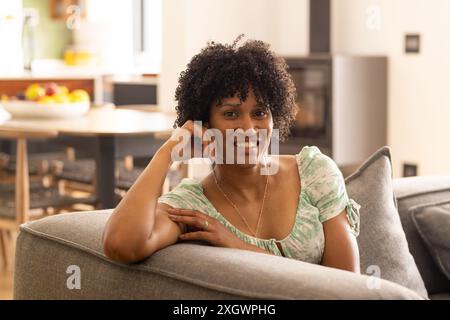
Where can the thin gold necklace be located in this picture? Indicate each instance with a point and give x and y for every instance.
(236, 208)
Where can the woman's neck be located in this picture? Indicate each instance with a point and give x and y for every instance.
(245, 183)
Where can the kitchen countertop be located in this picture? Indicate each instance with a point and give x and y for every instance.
(79, 75)
(57, 69)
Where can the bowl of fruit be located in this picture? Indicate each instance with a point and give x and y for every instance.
(47, 101)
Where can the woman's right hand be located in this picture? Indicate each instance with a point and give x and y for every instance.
(183, 140)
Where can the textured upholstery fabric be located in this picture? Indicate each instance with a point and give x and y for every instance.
(433, 224)
(413, 192)
(382, 242)
(47, 247)
(440, 296)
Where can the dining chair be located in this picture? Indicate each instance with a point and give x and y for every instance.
(23, 198)
(79, 175)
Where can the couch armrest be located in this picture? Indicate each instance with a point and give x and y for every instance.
(413, 186)
(48, 247)
(411, 193)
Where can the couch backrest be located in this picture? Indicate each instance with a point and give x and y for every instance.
(415, 191)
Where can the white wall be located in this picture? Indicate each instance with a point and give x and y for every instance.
(419, 85)
(108, 29)
(189, 24)
(11, 58)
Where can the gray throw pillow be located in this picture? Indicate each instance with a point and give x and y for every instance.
(433, 224)
(382, 242)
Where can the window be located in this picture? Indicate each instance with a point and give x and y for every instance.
(147, 34)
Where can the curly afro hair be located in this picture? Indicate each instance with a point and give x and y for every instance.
(220, 71)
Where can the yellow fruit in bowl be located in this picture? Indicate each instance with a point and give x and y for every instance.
(63, 90)
(34, 92)
(79, 96)
(61, 98)
(46, 100)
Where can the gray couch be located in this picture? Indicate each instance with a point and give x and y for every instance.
(56, 254)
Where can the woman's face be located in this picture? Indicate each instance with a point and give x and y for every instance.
(253, 119)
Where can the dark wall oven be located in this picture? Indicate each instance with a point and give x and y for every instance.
(342, 105)
(312, 79)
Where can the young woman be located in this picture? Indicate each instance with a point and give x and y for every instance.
(301, 211)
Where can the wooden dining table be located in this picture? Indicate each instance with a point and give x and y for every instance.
(106, 133)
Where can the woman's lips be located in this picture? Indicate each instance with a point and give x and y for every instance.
(246, 146)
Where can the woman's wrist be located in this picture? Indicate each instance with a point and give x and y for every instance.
(166, 149)
(168, 145)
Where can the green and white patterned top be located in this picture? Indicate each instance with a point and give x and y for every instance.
(323, 196)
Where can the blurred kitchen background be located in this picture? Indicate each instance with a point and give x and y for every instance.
(139, 47)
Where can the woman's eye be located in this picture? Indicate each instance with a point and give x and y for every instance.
(229, 114)
(261, 113)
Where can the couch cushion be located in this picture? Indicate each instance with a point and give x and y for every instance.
(418, 191)
(433, 223)
(382, 242)
(440, 296)
(47, 247)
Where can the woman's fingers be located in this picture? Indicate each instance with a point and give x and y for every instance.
(192, 221)
(209, 229)
(197, 235)
(187, 212)
(197, 133)
(191, 217)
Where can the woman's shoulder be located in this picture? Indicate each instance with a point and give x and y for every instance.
(308, 154)
(187, 185)
(313, 163)
(187, 195)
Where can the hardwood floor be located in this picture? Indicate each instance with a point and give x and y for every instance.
(6, 272)
(6, 284)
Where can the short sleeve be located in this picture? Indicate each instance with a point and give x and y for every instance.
(175, 199)
(328, 193)
(188, 194)
(181, 198)
(178, 197)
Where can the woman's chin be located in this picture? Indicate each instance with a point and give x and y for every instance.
(247, 161)
(243, 160)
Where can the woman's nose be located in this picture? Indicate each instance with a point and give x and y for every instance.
(248, 124)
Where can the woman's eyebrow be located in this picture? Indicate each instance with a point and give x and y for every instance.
(229, 104)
